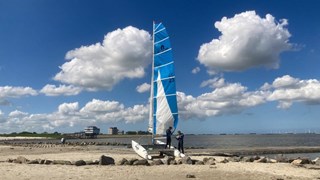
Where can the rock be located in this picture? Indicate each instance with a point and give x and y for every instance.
(10, 160)
(140, 162)
(33, 162)
(41, 161)
(190, 176)
(205, 160)
(61, 162)
(316, 161)
(299, 162)
(224, 161)
(131, 161)
(122, 161)
(210, 161)
(234, 159)
(261, 160)
(157, 162)
(199, 163)
(272, 161)
(67, 163)
(247, 159)
(186, 160)
(194, 161)
(79, 163)
(47, 161)
(167, 159)
(106, 160)
(90, 162)
(21, 160)
(173, 162)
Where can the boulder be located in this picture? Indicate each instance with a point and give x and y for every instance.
(247, 159)
(140, 162)
(173, 162)
(167, 159)
(122, 161)
(47, 161)
(299, 162)
(131, 161)
(261, 160)
(79, 163)
(21, 160)
(210, 161)
(157, 162)
(33, 162)
(224, 161)
(199, 163)
(10, 160)
(190, 176)
(91, 162)
(205, 160)
(106, 160)
(272, 161)
(41, 161)
(186, 160)
(61, 162)
(316, 161)
(234, 159)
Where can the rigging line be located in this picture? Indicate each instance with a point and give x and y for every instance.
(165, 95)
(162, 40)
(157, 26)
(163, 52)
(171, 77)
(171, 113)
(163, 65)
(159, 30)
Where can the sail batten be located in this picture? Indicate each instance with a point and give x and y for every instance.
(163, 98)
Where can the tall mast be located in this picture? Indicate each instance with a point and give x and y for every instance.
(151, 123)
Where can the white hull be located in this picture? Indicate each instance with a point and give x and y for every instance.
(142, 152)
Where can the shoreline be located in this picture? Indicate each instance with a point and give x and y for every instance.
(221, 169)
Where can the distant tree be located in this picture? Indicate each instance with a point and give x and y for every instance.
(131, 132)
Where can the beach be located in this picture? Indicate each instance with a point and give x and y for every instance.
(218, 170)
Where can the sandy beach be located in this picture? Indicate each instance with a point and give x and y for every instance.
(229, 170)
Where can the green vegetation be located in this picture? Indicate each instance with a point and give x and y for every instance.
(55, 135)
(137, 133)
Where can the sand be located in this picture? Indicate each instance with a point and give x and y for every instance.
(230, 170)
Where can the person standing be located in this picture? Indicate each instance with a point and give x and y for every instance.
(168, 136)
(180, 137)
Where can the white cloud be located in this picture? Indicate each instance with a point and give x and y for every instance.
(16, 92)
(17, 113)
(68, 108)
(143, 88)
(98, 106)
(52, 90)
(226, 98)
(213, 83)
(196, 70)
(124, 53)
(287, 90)
(247, 41)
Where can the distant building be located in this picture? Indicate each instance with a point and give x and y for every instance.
(113, 130)
(91, 131)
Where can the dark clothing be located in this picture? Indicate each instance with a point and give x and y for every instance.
(168, 135)
(180, 142)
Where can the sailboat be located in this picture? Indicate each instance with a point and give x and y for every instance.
(163, 96)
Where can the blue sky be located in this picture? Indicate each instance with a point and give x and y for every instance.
(249, 66)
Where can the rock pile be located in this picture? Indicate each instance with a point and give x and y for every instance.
(169, 160)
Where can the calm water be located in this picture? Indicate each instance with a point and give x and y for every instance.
(225, 141)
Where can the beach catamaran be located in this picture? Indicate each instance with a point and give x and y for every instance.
(163, 97)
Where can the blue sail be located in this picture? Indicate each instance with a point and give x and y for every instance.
(163, 86)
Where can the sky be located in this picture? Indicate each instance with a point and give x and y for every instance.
(241, 66)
